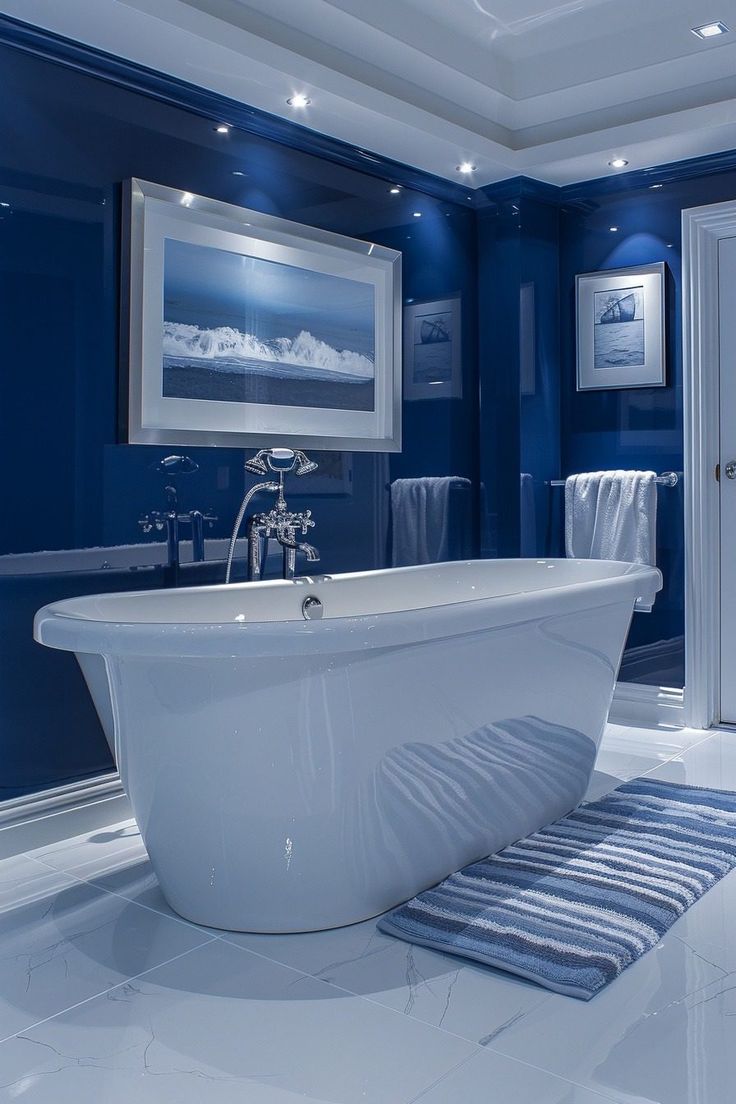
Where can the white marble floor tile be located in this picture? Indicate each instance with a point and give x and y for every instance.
(137, 882)
(709, 927)
(626, 753)
(221, 1025)
(74, 943)
(598, 1043)
(466, 998)
(321, 954)
(23, 881)
(489, 1078)
(97, 852)
(709, 763)
(661, 740)
(685, 1053)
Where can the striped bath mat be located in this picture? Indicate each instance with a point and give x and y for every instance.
(573, 905)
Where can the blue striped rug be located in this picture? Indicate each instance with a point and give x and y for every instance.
(573, 905)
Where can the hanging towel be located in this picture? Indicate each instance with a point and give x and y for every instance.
(420, 514)
(612, 515)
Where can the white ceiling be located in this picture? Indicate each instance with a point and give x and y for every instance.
(551, 90)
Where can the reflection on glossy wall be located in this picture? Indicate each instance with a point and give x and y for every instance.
(534, 424)
(74, 495)
(639, 427)
(68, 484)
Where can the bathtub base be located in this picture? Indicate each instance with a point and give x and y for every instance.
(291, 775)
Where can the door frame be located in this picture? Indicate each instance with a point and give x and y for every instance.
(702, 230)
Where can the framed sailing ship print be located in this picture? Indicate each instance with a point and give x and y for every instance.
(433, 349)
(620, 328)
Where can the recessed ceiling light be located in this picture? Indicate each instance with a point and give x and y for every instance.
(653, 186)
(613, 229)
(187, 199)
(4, 204)
(417, 214)
(618, 163)
(239, 172)
(395, 190)
(298, 100)
(710, 30)
(222, 128)
(466, 167)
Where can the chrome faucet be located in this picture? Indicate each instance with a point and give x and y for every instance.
(279, 523)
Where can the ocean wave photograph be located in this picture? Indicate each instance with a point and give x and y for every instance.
(244, 329)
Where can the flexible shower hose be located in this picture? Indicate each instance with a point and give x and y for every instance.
(239, 521)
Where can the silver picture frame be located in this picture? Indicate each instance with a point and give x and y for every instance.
(433, 364)
(620, 327)
(318, 394)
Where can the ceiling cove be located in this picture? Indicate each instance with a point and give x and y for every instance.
(556, 91)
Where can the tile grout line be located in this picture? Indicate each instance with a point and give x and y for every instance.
(556, 1076)
(138, 904)
(300, 975)
(102, 992)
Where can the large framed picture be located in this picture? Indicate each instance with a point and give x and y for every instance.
(620, 328)
(244, 329)
(433, 350)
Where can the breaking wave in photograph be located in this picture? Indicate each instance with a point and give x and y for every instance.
(226, 365)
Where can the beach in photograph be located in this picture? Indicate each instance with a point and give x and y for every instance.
(243, 329)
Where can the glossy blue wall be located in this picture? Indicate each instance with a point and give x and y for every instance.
(66, 146)
(533, 236)
(79, 126)
(519, 377)
(638, 428)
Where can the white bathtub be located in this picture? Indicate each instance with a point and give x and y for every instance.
(292, 774)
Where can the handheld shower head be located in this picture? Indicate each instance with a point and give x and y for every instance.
(280, 460)
(257, 464)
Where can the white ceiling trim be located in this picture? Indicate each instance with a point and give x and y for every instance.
(433, 126)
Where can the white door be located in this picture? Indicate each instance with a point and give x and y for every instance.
(727, 332)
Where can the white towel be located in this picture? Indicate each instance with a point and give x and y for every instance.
(420, 514)
(612, 515)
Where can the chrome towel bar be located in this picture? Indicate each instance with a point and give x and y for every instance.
(666, 479)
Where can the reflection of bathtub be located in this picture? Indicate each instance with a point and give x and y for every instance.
(292, 774)
(51, 733)
(116, 558)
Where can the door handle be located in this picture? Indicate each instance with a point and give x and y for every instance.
(730, 469)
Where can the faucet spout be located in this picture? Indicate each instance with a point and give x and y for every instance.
(309, 550)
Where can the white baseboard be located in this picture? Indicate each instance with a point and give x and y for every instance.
(41, 819)
(647, 706)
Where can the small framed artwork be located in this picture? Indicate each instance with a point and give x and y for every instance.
(620, 328)
(248, 330)
(433, 350)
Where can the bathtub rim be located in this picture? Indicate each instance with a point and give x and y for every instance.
(59, 626)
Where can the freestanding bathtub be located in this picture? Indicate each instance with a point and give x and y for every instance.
(291, 774)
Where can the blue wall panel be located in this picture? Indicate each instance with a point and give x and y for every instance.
(510, 251)
(637, 428)
(66, 146)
